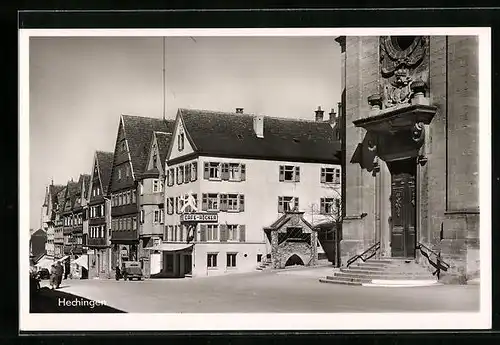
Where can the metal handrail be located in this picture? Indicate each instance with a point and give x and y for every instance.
(373, 248)
(439, 265)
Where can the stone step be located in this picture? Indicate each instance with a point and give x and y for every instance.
(332, 281)
(361, 270)
(349, 279)
(388, 276)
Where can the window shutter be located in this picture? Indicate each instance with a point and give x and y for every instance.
(296, 204)
(242, 233)
(177, 205)
(223, 233)
(194, 172)
(322, 206)
(162, 216)
(204, 202)
(223, 202)
(186, 170)
(206, 171)
(297, 174)
(102, 211)
(280, 204)
(203, 232)
(323, 175)
(225, 171)
(282, 173)
(243, 172)
(242, 202)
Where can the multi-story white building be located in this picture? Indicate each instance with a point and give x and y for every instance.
(249, 170)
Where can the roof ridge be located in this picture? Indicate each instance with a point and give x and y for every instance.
(214, 112)
(147, 117)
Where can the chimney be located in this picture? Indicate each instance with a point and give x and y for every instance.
(239, 110)
(319, 114)
(333, 116)
(258, 126)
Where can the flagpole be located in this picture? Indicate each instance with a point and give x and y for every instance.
(163, 74)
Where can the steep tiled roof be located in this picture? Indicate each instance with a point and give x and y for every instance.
(54, 189)
(60, 198)
(104, 164)
(163, 140)
(232, 135)
(71, 191)
(138, 131)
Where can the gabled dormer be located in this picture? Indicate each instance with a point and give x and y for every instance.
(181, 143)
(122, 174)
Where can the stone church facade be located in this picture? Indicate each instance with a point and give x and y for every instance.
(411, 111)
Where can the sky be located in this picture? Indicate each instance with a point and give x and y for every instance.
(79, 86)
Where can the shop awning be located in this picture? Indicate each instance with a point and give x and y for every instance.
(45, 263)
(82, 261)
(170, 247)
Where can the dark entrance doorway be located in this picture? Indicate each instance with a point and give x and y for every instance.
(294, 260)
(403, 201)
(188, 264)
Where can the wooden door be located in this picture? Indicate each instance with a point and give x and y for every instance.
(403, 210)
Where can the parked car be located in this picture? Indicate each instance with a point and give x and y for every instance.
(131, 270)
(43, 273)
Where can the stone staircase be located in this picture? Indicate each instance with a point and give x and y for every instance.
(264, 265)
(383, 272)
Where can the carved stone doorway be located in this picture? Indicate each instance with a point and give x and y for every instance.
(403, 209)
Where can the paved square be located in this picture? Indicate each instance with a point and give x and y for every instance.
(286, 291)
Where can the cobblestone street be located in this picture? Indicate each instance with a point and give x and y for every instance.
(286, 291)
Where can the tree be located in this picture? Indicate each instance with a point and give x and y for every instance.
(330, 215)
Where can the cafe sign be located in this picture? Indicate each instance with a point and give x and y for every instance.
(200, 217)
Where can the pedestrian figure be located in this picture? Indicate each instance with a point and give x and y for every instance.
(53, 276)
(59, 274)
(117, 272)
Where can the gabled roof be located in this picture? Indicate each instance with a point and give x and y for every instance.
(70, 195)
(54, 189)
(61, 197)
(104, 165)
(39, 233)
(232, 135)
(163, 139)
(138, 131)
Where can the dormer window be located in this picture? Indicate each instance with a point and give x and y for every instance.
(180, 141)
(124, 146)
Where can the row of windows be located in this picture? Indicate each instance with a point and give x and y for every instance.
(97, 211)
(124, 224)
(209, 202)
(290, 203)
(97, 231)
(123, 198)
(230, 260)
(182, 174)
(224, 171)
(73, 220)
(290, 173)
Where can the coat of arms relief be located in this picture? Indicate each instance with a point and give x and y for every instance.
(404, 68)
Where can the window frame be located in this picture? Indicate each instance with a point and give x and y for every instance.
(231, 260)
(212, 260)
